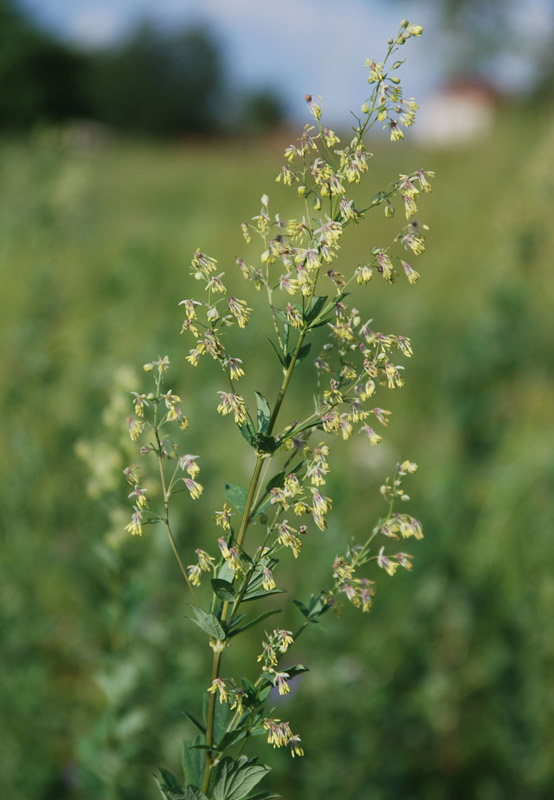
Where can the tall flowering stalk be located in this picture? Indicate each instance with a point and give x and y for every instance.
(301, 291)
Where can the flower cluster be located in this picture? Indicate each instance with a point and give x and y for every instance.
(297, 270)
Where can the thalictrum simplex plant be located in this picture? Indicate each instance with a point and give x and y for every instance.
(261, 526)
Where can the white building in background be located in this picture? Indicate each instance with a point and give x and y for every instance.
(461, 111)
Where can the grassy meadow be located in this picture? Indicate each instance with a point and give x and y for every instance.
(445, 690)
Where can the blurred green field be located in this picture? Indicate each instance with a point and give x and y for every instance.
(446, 689)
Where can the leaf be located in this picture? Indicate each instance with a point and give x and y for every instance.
(236, 494)
(209, 623)
(249, 688)
(253, 594)
(278, 480)
(236, 778)
(263, 796)
(248, 432)
(170, 780)
(264, 413)
(223, 589)
(194, 761)
(231, 738)
(263, 693)
(277, 353)
(303, 352)
(315, 308)
(266, 444)
(171, 789)
(235, 631)
(255, 584)
(297, 669)
(316, 608)
(323, 321)
(193, 793)
(226, 573)
(195, 722)
(221, 717)
(305, 612)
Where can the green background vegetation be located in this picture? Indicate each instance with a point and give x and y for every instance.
(445, 690)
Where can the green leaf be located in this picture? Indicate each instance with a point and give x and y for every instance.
(315, 308)
(263, 693)
(303, 352)
(263, 796)
(171, 789)
(302, 607)
(226, 573)
(278, 480)
(234, 631)
(316, 608)
(323, 321)
(247, 430)
(235, 779)
(231, 738)
(193, 793)
(221, 717)
(255, 584)
(170, 781)
(194, 762)
(266, 444)
(297, 669)
(264, 412)
(277, 353)
(195, 722)
(236, 494)
(209, 623)
(223, 589)
(249, 688)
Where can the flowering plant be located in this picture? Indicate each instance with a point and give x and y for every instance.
(285, 498)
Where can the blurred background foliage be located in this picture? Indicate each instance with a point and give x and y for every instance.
(445, 690)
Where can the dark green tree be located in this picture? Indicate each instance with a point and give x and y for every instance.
(158, 83)
(39, 76)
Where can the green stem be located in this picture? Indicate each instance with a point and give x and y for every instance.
(166, 495)
(240, 541)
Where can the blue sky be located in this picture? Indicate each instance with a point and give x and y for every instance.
(300, 46)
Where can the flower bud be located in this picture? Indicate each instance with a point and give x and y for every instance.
(395, 80)
(302, 190)
(365, 108)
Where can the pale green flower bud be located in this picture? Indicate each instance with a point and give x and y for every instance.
(365, 108)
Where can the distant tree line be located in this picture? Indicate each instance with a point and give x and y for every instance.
(155, 82)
